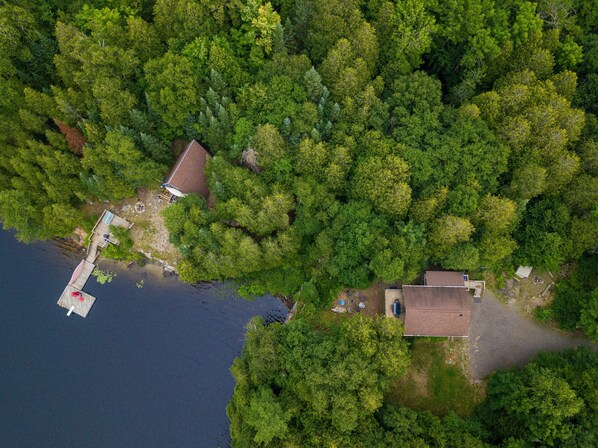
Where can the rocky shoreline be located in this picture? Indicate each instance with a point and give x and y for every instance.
(75, 244)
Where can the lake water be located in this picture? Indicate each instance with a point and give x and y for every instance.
(148, 367)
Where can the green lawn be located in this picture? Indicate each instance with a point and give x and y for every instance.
(433, 384)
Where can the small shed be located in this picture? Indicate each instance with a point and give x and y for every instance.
(437, 310)
(523, 271)
(188, 173)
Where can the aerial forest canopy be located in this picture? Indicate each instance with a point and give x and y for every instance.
(352, 140)
(306, 385)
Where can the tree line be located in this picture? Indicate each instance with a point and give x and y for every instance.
(353, 140)
(311, 384)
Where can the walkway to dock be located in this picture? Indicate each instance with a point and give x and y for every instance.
(84, 269)
(73, 298)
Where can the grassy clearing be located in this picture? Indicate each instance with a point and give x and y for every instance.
(433, 384)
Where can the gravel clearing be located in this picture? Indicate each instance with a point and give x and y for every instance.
(501, 337)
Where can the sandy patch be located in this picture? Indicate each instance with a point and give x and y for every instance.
(149, 233)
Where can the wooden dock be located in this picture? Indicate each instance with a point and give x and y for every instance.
(80, 276)
(101, 236)
(80, 307)
(86, 268)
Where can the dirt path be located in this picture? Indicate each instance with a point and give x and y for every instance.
(501, 337)
(149, 232)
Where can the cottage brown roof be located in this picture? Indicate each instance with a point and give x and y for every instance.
(444, 278)
(436, 310)
(188, 173)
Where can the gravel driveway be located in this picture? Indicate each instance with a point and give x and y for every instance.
(500, 337)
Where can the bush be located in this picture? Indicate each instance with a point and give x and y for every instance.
(574, 294)
(124, 250)
(549, 402)
(543, 313)
(566, 307)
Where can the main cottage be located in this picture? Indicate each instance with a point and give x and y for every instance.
(439, 307)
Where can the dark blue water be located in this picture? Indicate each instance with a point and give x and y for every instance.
(147, 368)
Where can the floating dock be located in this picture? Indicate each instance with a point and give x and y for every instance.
(81, 307)
(73, 298)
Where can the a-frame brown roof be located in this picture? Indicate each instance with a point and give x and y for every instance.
(436, 310)
(188, 173)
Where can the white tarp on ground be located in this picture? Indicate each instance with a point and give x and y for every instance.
(523, 271)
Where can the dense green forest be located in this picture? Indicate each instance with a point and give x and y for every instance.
(306, 385)
(354, 140)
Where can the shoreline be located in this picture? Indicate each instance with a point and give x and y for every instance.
(73, 244)
(117, 363)
(148, 265)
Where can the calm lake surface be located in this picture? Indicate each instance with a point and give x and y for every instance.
(148, 367)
